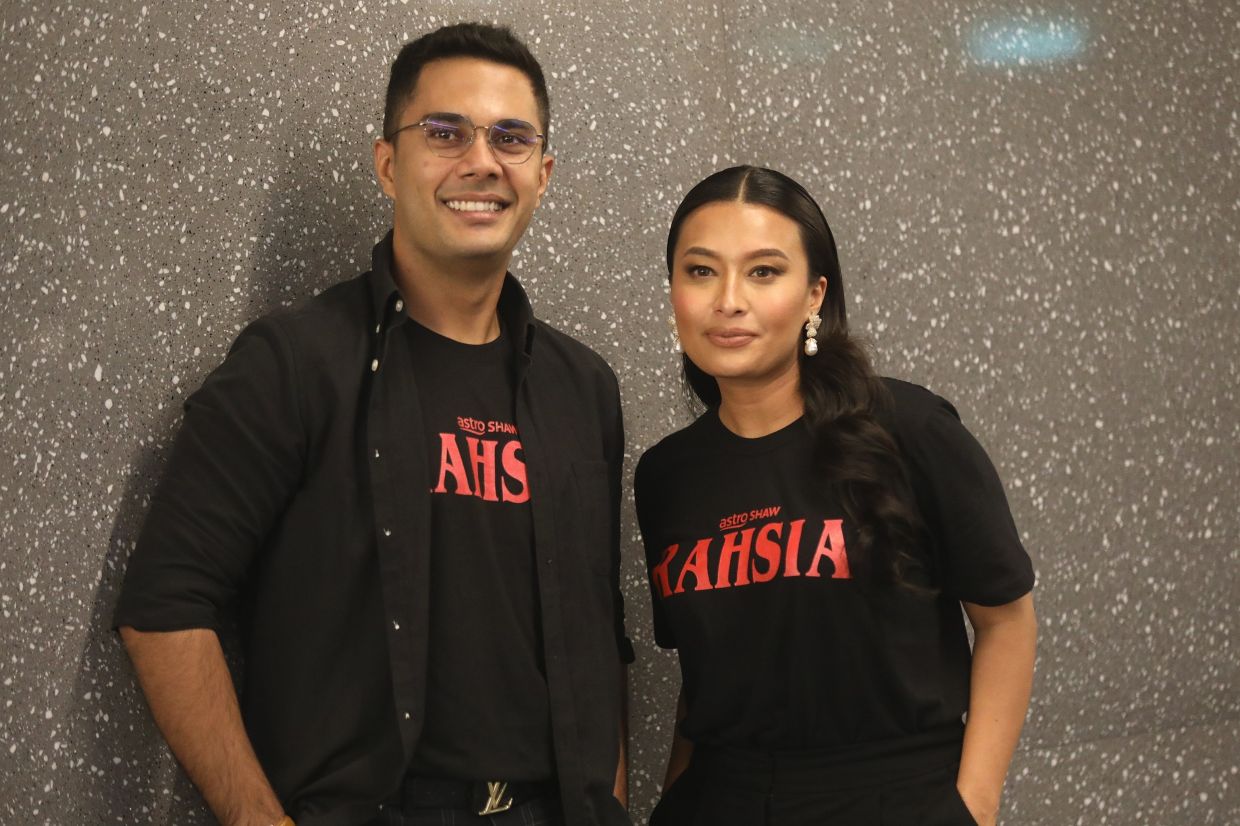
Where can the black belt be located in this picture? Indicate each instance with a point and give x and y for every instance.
(481, 796)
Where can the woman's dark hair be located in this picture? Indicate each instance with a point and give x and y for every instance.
(843, 396)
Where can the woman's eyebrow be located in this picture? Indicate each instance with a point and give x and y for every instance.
(700, 251)
(768, 251)
(762, 253)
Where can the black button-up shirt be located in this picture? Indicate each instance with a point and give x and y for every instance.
(296, 490)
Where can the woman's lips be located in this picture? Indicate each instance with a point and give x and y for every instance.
(730, 338)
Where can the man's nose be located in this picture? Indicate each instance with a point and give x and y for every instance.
(479, 157)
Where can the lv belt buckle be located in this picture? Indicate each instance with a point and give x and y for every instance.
(496, 802)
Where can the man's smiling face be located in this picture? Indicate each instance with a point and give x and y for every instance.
(470, 210)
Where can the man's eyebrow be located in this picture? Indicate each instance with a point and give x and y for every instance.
(765, 252)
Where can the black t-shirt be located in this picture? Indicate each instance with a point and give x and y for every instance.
(487, 713)
(780, 646)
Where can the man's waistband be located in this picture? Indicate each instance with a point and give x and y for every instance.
(477, 796)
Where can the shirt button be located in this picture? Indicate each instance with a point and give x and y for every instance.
(387, 531)
(378, 328)
(406, 715)
(395, 625)
(400, 305)
(374, 366)
(376, 453)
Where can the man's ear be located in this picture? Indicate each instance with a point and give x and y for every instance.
(544, 174)
(385, 161)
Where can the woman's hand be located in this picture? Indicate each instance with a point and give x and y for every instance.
(986, 814)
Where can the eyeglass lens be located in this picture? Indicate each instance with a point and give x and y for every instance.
(450, 135)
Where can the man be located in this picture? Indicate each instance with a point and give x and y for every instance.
(410, 489)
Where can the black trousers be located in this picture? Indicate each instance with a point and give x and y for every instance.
(900, 783)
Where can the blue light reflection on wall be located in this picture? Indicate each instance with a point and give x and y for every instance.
(1026, 42)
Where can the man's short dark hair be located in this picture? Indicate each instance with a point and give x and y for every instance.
(494, 43)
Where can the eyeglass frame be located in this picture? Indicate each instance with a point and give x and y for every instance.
(473, 135)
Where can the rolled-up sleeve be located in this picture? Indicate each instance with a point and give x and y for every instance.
(233, 466)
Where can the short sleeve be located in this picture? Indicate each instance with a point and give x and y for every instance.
(978, 549)
(649, 519)
(234, 465)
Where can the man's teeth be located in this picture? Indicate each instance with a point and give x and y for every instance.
(475, 206)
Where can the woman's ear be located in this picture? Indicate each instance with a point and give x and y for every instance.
(817, 294)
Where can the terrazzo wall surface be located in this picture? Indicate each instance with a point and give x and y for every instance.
(1037, 209)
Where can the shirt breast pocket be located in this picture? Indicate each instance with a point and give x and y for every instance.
(591, 515)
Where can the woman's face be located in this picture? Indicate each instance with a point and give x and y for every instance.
(742, 292)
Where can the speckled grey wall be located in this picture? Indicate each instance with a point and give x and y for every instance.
(1037, 208)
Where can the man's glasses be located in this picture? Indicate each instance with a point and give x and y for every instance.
(448, 135)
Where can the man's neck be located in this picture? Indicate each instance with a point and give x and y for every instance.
(458, 301)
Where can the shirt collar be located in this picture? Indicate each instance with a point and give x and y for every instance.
(514, 309)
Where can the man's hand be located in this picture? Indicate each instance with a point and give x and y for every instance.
(621, 789)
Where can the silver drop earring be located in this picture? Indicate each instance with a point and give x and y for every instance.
(671, 322)
(811, 331)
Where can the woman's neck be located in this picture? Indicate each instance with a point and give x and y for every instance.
(751, 410)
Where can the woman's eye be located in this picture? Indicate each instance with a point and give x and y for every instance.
(699, 271)
(765, 272)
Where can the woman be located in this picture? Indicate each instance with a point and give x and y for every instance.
(810, 540)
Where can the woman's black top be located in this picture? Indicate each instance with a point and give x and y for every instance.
(753, 573)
